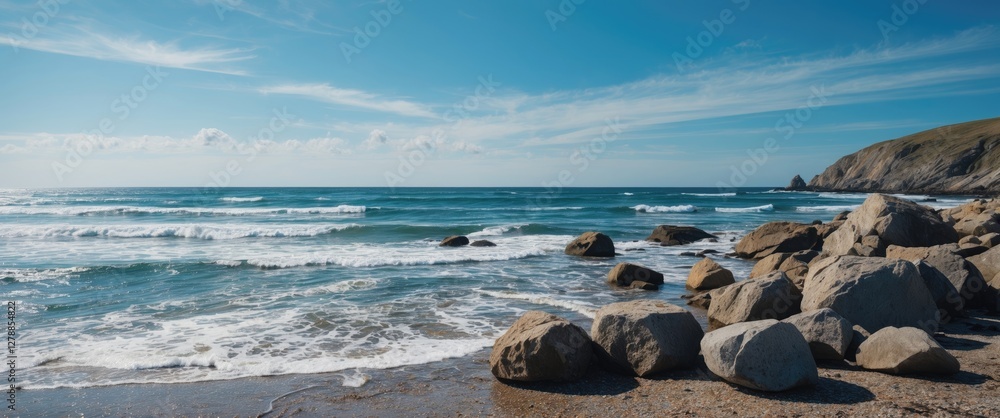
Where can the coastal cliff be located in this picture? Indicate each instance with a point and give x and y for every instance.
(956, 159)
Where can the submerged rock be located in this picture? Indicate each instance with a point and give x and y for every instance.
(454, 241)
(677, 235)
(482, 243)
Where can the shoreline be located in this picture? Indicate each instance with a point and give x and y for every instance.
(464, 386)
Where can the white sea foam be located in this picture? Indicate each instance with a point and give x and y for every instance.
(241, 199)
(628, 194)
(577, 307)
(665, 209)
(855, 196)
(355, 379)
(35, 275)
(207, 232)
(710, 194)
(375, 256)
(496, 230)
(140, 210)
(761, 208)
(914, 197)
(828, 208)
(241, 343)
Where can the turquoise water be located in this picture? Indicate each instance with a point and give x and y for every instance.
(177, 285)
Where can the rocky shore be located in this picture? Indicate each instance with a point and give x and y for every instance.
(867, 293)
(956, 159)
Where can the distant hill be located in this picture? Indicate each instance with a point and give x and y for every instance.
(956, 159)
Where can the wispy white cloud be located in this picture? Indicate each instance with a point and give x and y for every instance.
(284, 14)
(351, 98)
(206, 140)
(81, 39)
(934, 68)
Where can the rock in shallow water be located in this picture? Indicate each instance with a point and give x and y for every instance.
(707, 274)
(591, 244)
(677, 235)
(454, 241)
(624, 274)
(778, 237)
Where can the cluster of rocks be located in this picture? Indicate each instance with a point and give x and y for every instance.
(870, 287)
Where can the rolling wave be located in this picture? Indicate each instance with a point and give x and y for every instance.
(665, 209)
(761, 208)
(206, 232)
(151, 210)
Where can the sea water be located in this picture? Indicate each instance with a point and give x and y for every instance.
(119, 286)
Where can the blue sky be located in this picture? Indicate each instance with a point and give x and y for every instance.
(458, 93)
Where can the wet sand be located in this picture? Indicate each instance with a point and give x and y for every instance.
(464, 387)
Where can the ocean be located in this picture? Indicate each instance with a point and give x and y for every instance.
(167, 285)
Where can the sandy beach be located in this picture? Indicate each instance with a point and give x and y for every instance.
(464, 387)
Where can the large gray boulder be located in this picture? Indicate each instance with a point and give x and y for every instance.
(828, 334)
(677, 235)
(707, 275)
(949, 302)
(764, 355)
(540, 346)
(591, 244)
(778, 237)
(894, 221)
(624, 274)
(644, 337)
(988, 263)
(794, 265)
(770, 297)
(962, 274)
(905, 350)
(872, 292)
(978, 224)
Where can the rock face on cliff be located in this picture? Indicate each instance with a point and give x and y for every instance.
(961, 158)
(797, 183)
